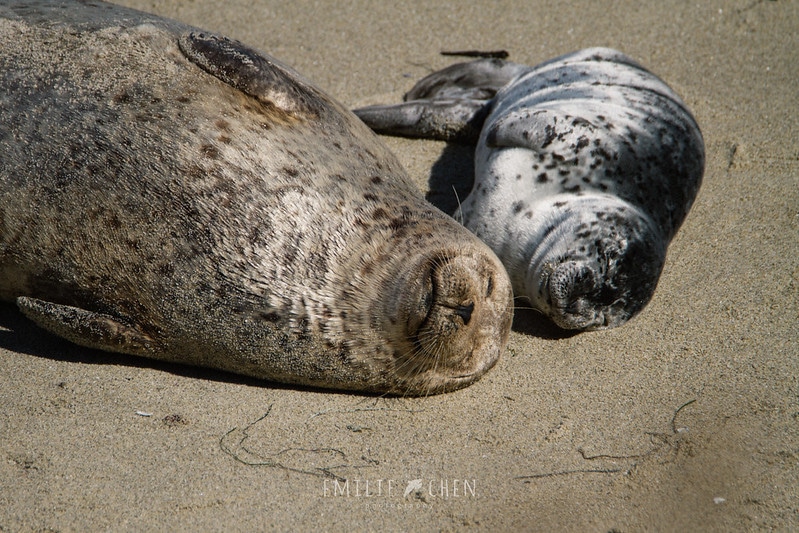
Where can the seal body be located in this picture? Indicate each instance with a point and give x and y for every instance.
(585, 167)
(174, 194)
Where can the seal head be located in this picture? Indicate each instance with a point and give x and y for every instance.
(448, 317)
(595, 268)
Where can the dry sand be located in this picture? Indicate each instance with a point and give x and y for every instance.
(687, 418)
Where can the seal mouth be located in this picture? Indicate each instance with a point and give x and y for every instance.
(588, 296)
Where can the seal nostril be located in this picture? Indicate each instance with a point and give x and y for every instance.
(465, 312)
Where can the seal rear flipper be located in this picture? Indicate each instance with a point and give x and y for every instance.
(444, 120)
(244, 68)
(448, 105)
(87, 328)
(474, 80)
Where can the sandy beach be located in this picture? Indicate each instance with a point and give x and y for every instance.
(684, 419)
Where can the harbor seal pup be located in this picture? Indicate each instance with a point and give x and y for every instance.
(174, 194)
(585, 168)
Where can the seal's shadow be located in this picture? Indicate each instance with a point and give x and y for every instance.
(451, 180)
(533, 323)
(451, 177)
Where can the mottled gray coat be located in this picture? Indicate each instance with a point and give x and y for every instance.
(174, 194)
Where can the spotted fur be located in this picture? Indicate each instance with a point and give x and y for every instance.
(585, 168)
(174, 194)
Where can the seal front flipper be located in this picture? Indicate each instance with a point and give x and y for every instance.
(87, 328)
(244, 68)
(539, 129)
(448, 105)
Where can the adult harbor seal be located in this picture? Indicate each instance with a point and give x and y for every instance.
(174, 194)
(585, 168)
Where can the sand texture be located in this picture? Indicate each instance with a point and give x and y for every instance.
(685, 419)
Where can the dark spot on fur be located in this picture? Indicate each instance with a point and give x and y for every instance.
(377, 180)
(270, 317)
(284, 190)
(542, 178)
(367, 268)
(318, 262)
(291, 171)
(210, 151)
(559, 204)
(183, 99)
(122, 97)
(371, 197)
(289, 254)
(549, 135)
(402, 221)
(222, 124)
(517, 207)
(379, 213)
(113, 222)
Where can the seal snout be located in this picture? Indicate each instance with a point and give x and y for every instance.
(571, 286)
(459, 320)
(465, 312)
(570, 280)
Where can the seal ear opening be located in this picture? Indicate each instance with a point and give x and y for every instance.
(258, 76)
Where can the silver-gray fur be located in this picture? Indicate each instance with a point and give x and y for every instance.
(585, 168)
(170, 193)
